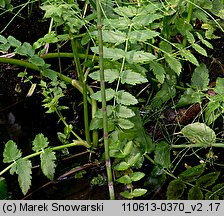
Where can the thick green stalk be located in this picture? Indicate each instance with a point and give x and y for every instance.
(104, 105)
(83, 80)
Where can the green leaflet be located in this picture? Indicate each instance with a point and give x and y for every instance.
(125, 123)
(110, 93)
(200, 49)
(11, 152)
(125, 98)
(189, 56)
(162, 154)
(13, 42)
(38, 61)
(135, 193)
(175, 189)
(116, 37)
(174, 64)
(110, 75)
(207, 179)
(48, 163)
(124, 112)
(158, 71)
(23, 169)
(219, 87)
(3, 39)
(191, 174)
(195, 194)
(110, 53)
(26, 49)
(142, 35)
(200, 77)
(199, 133)
(138, 56)
(40, 142)
(3, 189)
(132, 78)
(128, 11)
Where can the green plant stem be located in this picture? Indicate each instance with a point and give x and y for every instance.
(84, 85)
(57, 148)
(67, 55)
(215, 145)
(104, 105)
(188, 20)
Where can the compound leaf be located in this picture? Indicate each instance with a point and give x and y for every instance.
(11, 152)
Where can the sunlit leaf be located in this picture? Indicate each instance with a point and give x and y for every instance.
(175, 189)
(109, 75)
(199, 133)
(48, 163)
(38, 61)
(200, 49)
(125, 179)
(136, 176)
(125, 98)
(3, 39)
(142, 35)
(13, 42)
(110, 93)
(112, 36)
(139, 56)
(124, 112)
(110, 53)
(139, 192)
(127, 195)
(26, 49)
(132, 78)
(128, 11)
(23, 169)
(40, 142)
(121, 166)
(125, 123)
(11, 152)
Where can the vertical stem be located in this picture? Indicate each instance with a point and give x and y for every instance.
(188, 20)
(83, 80)
(104, 109)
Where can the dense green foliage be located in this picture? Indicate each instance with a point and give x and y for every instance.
(147, 46)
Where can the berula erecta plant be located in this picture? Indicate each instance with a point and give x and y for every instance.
(123, 47)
